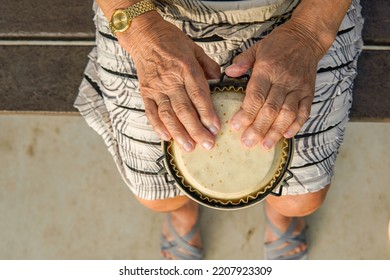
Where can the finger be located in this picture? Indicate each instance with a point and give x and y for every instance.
(303, 114)
(189, 118)
(285, 118)
(241, 63)
(255, 97)
(265, 117)
(199, 94)
(151, 111)
(211, 69)
(169, 119)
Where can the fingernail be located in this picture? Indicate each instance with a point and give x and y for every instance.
(248, 143)
(288, 134)
(213, 129)
(236, 125)
(187, 146)
(164, 136)
(231, 65)
(268, 144)
(207, 145)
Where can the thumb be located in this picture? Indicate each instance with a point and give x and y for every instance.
(241, 63)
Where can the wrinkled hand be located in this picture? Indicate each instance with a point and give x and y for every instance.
(173, 72)
(280, 91)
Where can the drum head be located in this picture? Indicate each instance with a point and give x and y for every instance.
(229, 176)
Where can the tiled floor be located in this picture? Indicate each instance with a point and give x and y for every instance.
(62, 198)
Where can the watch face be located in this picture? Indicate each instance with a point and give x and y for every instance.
(120, 20)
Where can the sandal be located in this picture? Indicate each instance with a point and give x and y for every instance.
(179, 247)
(276, 251)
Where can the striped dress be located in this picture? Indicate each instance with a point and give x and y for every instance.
(109, 97)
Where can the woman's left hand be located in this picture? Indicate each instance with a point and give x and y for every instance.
(281, 88)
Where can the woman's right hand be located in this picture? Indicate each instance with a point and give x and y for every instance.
(173, 72)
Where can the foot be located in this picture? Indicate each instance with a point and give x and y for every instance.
(181, 234)
(285, 237)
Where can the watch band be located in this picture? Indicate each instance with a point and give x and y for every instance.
(121, 18)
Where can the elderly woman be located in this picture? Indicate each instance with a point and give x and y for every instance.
(147, 81)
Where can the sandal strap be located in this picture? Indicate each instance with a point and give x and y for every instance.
(282, 237)
(178, 242)
(273, 250)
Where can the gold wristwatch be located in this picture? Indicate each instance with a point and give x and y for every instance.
(121, 18)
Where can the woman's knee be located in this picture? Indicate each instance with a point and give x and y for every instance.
(164, 205)
(298, 205)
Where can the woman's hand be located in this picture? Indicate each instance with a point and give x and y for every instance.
(280, 91)
(173, 72)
